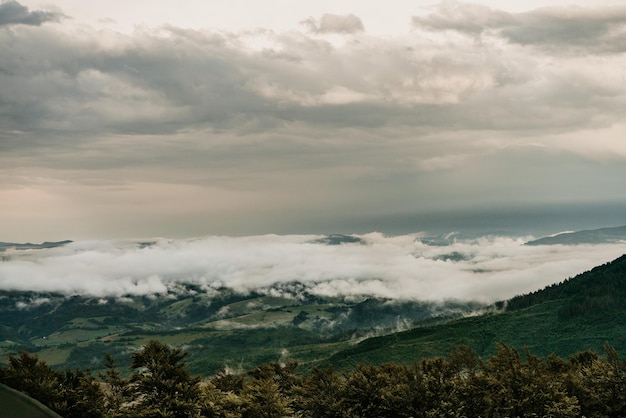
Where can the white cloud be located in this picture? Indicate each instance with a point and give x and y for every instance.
(398, 267)
(331, 23)
(572, 29)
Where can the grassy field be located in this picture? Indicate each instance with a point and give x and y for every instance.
(538, 328)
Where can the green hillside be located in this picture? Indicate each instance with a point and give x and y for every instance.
(582, 313)
(221, 329)
(14, 404)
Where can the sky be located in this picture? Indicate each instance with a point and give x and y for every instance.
(163, 118)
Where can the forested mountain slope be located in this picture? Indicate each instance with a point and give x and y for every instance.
(582, 313)
(602, 288)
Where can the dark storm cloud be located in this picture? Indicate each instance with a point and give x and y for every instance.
(172, 79)
(564, 29)
(162, 81)
(112, 83)
(594, 31)
(13, 13)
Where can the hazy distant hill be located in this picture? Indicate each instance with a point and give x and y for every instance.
(579, 314)
(28, 246)
(338, 239)
(593, 236)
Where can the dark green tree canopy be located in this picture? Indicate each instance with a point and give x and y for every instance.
(508, 384)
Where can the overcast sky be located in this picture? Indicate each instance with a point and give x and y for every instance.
(184, 118)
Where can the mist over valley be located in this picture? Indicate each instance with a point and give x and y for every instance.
(406, 267)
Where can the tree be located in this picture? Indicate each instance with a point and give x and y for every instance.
(377, 391)
(524, 389)
(228, 382)
(35, 378)
(440, 388)
(81, 394)
(217, 403)
(600, 383)
(72, 394)
(263, 399)
(321, 394)
(116, 395)
(161, 385)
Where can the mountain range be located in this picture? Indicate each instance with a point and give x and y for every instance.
(29, 246)
(591, 236)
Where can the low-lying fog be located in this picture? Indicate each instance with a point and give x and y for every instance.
(400, 267)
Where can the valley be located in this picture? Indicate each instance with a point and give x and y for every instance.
(224, 329)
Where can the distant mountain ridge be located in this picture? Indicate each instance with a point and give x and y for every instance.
(591, 236)
(29, 246)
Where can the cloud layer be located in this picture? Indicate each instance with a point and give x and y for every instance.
(397, 267)
(560, 29)
(13, 13)
(130, 133)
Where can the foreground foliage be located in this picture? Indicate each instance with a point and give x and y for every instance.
(508, 384)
